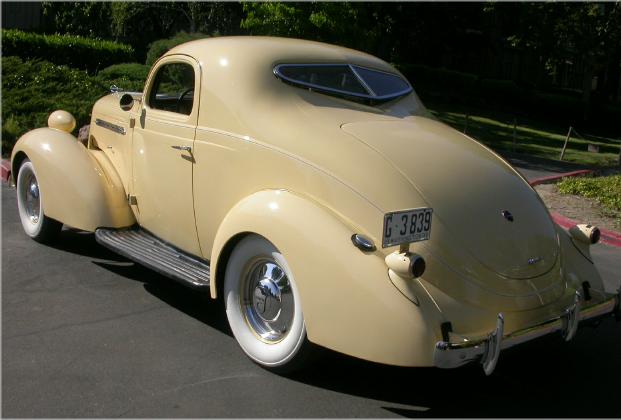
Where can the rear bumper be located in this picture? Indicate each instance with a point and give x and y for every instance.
(487, 351)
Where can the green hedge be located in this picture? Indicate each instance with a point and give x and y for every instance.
(31, 90)
(74, 51)
(161, 46)
(128, 76)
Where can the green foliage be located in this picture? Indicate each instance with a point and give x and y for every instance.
(129, 76)
(161, 46)
(86, 18)
(31, 90)
(75, 51)
(139, 23)
(364, 26)
(606, 190)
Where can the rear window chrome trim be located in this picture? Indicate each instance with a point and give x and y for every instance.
(371, 95)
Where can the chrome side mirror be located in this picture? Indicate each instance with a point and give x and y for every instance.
(126, 102)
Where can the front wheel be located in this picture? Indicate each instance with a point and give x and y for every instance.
(34, 221)
(263, 306)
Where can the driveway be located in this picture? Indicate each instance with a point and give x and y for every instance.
(86, 333)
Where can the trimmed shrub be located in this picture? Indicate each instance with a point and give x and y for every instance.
(128, 76)
(161, 46)
(31, 90)
(75, 51)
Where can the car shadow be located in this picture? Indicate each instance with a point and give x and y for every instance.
(196, 304)
(83, 243)
(542, 378)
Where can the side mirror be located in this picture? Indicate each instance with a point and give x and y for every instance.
(126, 102)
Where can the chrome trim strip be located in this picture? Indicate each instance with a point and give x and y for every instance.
(362, 81)
(278, 74)
(112, 127)
(451, 355)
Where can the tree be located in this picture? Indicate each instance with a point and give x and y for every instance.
(141, 23)
(560, 31)
(364, 26)
(90, 19)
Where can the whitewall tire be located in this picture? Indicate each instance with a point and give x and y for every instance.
(30, 205)
(263, 305)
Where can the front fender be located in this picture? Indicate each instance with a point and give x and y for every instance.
(79, 187)
(348, 300)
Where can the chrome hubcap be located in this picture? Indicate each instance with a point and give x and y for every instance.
(31, 198)
(267, 300)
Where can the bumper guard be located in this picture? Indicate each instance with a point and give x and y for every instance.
(487, 350)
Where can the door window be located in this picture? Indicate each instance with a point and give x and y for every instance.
(173, 88)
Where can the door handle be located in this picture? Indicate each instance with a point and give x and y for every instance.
(186, 148)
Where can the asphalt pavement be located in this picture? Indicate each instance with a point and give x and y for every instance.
(86, 333)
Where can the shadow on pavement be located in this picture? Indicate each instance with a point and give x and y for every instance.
(83, 243)
(196, 304)
(543, 378)
(540, 164)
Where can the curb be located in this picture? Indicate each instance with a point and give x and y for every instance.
(5, 170)
(606, 236)
(552, 178)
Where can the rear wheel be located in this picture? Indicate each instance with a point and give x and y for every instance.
(34, 221)
(263, 306)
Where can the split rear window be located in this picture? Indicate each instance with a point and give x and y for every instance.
(345, 80)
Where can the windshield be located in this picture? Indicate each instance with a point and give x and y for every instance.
(345, 79)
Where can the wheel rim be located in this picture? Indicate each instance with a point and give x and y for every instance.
(267, 300)
(31, 197)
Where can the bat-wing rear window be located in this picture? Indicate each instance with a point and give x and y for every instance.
(344, 80)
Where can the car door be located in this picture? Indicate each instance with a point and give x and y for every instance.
(162, 152)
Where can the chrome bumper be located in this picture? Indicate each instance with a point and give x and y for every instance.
(487, 350)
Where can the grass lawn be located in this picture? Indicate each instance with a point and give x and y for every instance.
(604, 189)
(531, 137)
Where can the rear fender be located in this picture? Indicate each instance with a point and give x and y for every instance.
(348, 300)
(79, 187)
(578, 269)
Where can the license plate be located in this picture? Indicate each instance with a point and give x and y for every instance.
(406, 226)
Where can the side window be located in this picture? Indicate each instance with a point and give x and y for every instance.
(173, 88)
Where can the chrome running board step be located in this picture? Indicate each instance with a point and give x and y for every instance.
(144, 248)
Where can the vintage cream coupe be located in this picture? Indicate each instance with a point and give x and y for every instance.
(307, 186)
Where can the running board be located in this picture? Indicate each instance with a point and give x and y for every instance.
(144, 248)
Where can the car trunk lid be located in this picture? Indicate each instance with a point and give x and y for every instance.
(488, 209)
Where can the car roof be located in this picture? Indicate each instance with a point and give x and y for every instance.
(262, 50)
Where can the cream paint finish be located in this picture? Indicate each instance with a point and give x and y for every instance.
(79, 187)
(163, 175)
(382, 325)
(306, 171)
(117, 147)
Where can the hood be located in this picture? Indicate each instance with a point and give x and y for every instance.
(469, 189)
